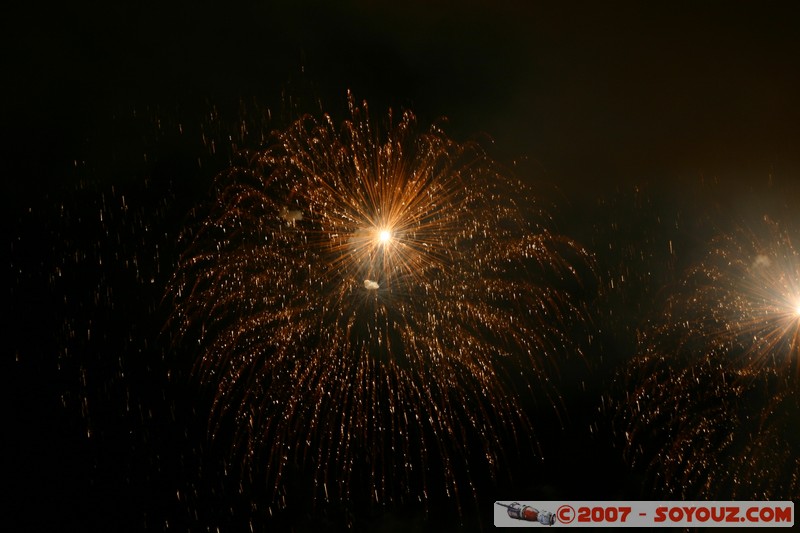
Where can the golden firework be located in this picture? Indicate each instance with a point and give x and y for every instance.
(715, 387)
(363, 305)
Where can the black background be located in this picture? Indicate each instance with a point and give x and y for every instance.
(626, 115)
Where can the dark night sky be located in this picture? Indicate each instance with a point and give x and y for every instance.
(597, 99)
(618, 92)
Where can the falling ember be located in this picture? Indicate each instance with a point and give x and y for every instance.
(309, 369)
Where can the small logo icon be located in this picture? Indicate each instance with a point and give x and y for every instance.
(528, 513)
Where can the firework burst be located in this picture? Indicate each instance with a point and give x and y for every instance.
(365, 306)
(716, 384)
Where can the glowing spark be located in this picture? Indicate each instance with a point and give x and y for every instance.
(371, 285)
(384, 236)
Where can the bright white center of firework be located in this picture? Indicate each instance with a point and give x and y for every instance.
(384, 236)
